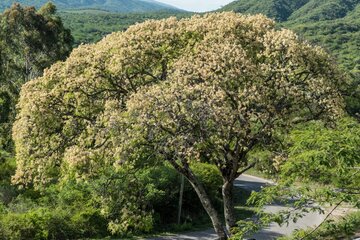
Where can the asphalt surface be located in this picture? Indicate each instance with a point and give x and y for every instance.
(273, 231)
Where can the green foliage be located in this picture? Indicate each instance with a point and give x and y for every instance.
(119, 203)
(333, 24)
(52, 223)
(30, 41)
(141, 201)
(91, 26)
(113, 103)
(70, 211)
(112, 6)
(344, 228)
(320, 10)
(278, 9)
(131, 201)
(320, 164)
(62, 212)
(295, 10)
(7, 169)
(37, 224)
(325, 155)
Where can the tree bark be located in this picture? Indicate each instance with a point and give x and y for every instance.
(229, 210)
(209, 208)
(228, 193)
(204, 199)
(181, 198)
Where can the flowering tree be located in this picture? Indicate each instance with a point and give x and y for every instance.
(207, 89)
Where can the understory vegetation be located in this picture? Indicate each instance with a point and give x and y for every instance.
(90, 26)
(95, 209)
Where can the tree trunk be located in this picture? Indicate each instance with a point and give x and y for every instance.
(228, 199)
(181, 198)
(204, 198)
(209, 208)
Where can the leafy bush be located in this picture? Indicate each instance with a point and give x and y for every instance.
(147, 200)
(122, 204)
(168, 181)
(48, 223)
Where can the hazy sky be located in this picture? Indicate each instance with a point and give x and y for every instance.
(197, 5)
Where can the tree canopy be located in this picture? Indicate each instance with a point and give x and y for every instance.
(30, 41)
(207, 88)
(333, 24)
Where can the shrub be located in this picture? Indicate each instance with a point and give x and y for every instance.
(147, 200)
(120, 203)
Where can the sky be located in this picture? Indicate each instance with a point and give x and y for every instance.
(197, 5)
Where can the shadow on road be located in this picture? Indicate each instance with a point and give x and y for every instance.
(251, 185)
(266, 234)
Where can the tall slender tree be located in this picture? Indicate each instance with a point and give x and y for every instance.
(30, 41)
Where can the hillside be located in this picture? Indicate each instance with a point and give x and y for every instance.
(89, 26)
(123, 6)
(295, 10)
(277, 9)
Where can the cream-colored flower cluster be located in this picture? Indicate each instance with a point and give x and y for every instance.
(209, 87)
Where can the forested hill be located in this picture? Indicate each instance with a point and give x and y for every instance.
(278, 9)
(123, 6)
(295, 10)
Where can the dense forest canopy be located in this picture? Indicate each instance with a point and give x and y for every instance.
(295, 10)
(90, 26)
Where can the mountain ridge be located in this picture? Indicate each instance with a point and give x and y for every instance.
(295, 10)
(120, 6)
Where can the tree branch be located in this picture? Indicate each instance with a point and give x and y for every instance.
(246, 169)
(327, 216)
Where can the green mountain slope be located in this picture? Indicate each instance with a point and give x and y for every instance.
(277, 9)
(319, 10)
(123, 6)
(340, 35)
(89, 26)
(295, 10)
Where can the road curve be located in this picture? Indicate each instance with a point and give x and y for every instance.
(273, 231)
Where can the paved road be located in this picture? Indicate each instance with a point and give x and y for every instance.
(274, 231)
(271, 232)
